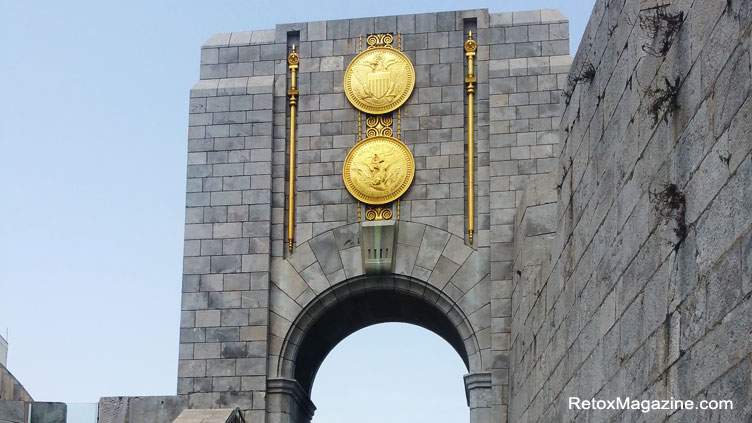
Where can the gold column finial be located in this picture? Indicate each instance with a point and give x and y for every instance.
(470, 47)
(293, 61)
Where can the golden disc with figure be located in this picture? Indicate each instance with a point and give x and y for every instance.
(378, 170)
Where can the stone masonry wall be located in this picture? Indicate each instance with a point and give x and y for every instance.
(236, 217)
(527, 71)
(646, 290)
(228, 221)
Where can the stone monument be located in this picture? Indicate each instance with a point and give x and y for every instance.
(571, 233)
(353, 172)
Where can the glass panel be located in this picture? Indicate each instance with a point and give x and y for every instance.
(82, 413)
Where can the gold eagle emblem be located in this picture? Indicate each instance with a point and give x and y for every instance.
(378, 170)
(379, 80)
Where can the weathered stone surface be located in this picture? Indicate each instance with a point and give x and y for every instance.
(222, 415)
(12, 411)
(48, 412)
(627, 280)
(237, 218)
(141, 409)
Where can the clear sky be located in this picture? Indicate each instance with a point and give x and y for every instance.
(93, 127)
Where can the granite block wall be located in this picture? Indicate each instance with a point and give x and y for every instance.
(224, 320)
(243, 290)
(154, 409)
(527, 71)
(645, 290)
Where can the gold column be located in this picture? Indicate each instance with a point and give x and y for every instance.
(360, 123)
(293, 59)
(470, 47)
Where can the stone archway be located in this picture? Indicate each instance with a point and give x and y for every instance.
(320, 295)
(353, 305)
(365, 301)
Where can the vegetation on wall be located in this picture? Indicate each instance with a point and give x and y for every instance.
(586, 73)
(670, 205)
(665, 100)
(661, 27)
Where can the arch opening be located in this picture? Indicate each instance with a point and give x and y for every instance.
(391, 372)
(365, 301)
(360, 311)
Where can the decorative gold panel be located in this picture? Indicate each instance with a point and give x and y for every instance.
(378, 170)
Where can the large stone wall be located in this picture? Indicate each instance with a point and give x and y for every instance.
(645, 289)
(242, 289)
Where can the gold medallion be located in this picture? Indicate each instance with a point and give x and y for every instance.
(378, 170)
(379, 80)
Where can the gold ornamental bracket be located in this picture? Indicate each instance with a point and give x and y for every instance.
(379, 213)
(380, 79)
(470, 47)
(293, 60)
(380, 40)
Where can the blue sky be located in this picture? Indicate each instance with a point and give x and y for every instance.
(93, 127)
